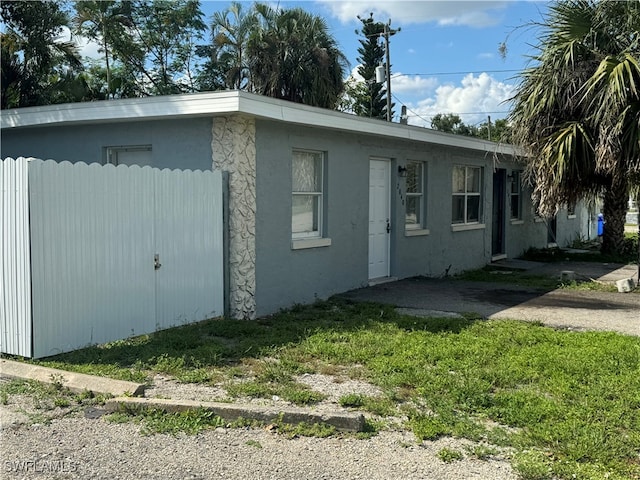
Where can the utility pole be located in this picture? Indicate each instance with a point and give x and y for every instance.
(388, 31)
(383, 70)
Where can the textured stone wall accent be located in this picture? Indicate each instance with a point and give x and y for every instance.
(234, 151)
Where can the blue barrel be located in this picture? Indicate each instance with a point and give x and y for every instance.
(600, 224)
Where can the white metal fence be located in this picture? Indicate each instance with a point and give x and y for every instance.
(115, 252)
(15, 273)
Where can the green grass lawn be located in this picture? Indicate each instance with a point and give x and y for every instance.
(566, 404)
(491, 273)
(628, 254)
(526, 279)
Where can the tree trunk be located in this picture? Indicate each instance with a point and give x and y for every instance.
(616, 203)
(106, 57)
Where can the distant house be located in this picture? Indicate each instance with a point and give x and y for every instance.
(319, 202)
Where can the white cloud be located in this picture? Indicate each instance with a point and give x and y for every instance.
(445, 45)
(465, 12)
(355, 75)
(412, 84)
(86, 47)
(481, 93)
(408, 85)
(472, 99)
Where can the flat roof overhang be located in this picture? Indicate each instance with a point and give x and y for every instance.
(212, 104)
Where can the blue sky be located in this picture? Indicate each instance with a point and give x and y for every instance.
(445, 59)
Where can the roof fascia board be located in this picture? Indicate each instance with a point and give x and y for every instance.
(324, 118)
(149, 108)
(233, 102)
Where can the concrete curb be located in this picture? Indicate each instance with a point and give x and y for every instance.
(79, 382)
(345, 421)
(76, 382)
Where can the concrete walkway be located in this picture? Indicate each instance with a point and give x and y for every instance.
(572, 309)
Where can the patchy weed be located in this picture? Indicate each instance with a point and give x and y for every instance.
(448, 455)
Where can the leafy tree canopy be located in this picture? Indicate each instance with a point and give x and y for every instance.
(228, 62)
(105, 22)
(373, 101)
(293, 56)
(498, 131)
(37, 65)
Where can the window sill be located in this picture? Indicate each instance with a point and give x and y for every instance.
(302, 243)
(416, 232)
(462, 227)
(517, 221)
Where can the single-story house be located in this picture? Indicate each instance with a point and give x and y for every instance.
(319, 202)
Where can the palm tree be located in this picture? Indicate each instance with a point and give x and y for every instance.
(294, 57)
(36, 63)
(576, 111)
(231, 29)
(102, 21)
(12, 73)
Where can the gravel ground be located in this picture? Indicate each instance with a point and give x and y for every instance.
(68, 444)
(333, 387)
(83, 448)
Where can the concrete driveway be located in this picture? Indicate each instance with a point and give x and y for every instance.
(572, 309)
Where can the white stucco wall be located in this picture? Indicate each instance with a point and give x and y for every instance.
(234, 150)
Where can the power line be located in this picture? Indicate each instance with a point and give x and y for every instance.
(475, 113)
(409, 110)
(415, 114)
(455, 113)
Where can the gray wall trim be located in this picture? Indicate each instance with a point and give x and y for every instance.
(225, 243)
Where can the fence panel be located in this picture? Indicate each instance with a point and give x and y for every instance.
(92, 246)
(188, 234)
(15, 275)
(78, 248)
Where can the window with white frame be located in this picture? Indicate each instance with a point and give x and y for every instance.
(516, 195)
(306, 214)
(467, 195)
(415, 196)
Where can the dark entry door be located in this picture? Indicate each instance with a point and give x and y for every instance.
(498, 217)
(552, 230)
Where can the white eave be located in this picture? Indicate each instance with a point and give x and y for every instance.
(211, 104)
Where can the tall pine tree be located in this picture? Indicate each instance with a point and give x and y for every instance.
(374, 103)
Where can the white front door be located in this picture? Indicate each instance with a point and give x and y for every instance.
(379, 218)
